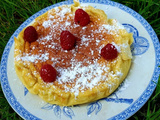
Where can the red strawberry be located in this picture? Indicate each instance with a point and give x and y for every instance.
(48, 73)
(30, 34)
(109, 52)
(67, 40)
(81, 17)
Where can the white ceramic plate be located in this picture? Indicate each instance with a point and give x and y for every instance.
(128, 99)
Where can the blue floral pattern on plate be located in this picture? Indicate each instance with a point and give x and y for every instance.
(25, 91)
(95, 106)
(140, 46)
(67, 111)
(118, 100)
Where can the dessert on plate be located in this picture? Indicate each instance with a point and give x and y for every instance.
(73, 54)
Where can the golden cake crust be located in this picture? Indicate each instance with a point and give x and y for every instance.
(56, 93)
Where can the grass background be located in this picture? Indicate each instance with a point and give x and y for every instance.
(14, 12)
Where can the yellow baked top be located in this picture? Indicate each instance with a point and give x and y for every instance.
(83, 75)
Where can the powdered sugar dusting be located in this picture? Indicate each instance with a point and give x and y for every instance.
(117, 47)
(84, 38)
(47, 38)
(64, 10)
(83, 70)
(111, 29)
(87, 76)
(47, 24)
(67, 23)
(117, 24)
(124, 85)
(33, 58)
(57, 9)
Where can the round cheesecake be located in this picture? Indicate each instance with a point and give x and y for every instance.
(83, 73)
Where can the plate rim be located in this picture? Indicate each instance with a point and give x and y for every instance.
(128, 112)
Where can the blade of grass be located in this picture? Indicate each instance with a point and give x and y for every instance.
(14, 12)
(157, 91)
(148, 111)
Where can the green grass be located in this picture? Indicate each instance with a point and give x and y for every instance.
(15, 12)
